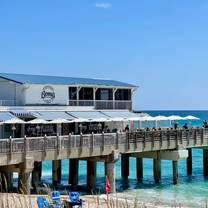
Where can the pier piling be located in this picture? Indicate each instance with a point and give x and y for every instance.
(36, 174)
(175, 171)
(110, 172)
(205, 161)
(139, 168)
(157, 170)
(91, 174)
(56, 172)
(6, 181)
(73, 172)
(189, 162)
(24, 182)
(125, 166)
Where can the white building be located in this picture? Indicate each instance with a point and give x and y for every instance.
(87, 103)
(27, 90)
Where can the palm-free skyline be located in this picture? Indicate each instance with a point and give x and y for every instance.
(159, 45)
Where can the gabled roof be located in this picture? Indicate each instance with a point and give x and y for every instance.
(44, 79)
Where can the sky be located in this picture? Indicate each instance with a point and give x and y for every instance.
(159, 45)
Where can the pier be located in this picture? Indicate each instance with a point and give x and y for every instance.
(24, 155)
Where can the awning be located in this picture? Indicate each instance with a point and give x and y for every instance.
(8, 118)
(121, 115)
(89, 116)
(52, 115)
(23, 113)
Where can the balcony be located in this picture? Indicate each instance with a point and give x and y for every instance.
(103, 104)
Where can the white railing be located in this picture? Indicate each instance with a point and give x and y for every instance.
(103, 104)
(7, 102)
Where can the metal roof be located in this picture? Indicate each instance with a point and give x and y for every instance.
(44, 79)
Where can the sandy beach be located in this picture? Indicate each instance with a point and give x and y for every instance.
(91, 201)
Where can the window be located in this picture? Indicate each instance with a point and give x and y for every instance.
(123, 94)
(86, 93)
(72, 93)
(104, 94)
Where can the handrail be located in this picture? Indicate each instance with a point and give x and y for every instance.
(114, 140)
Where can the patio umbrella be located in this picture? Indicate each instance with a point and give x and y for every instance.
(191, 118)
(38, 121)
(174, 118)
(60, 121)
(14, 121)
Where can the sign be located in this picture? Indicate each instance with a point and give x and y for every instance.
(48, 94)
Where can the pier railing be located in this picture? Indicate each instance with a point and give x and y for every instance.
(103, 104)
(140, 140)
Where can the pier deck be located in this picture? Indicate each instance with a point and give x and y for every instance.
(20, 154)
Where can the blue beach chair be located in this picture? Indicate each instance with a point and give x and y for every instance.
(56, 199)
(42, 202)
(75, 200)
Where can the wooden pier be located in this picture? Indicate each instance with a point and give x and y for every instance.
(24, 155)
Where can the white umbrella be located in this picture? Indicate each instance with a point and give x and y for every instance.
(100, 120)
(161, 118)
(38, 121)
(59, 121)
(13, 121)
(174, 118)
(191, 118)
(79, 120)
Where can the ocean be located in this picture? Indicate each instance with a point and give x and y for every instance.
(191, 191)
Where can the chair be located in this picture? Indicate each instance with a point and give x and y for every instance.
(42, 202)
(75, 200)
(56, 199)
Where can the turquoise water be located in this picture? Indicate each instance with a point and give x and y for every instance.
(191, 191)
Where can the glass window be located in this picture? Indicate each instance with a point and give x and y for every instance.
(123, 94)
(86, 93)
(104, 94)
(72, 93)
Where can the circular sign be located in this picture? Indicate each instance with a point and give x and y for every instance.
(48, 94)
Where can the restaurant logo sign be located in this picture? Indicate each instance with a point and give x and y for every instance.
(48, 94)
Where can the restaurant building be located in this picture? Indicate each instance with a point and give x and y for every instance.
(35, 105)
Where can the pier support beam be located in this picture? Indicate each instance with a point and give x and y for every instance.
(24, 182)
(36, 174)
(205, 161)
(91, 174)
(157, 170)
(189, 162)
(175, 171)
(6, 181)
(110, 173)
(125, 166)
(139, 167)
(56, 174)
(73, 172)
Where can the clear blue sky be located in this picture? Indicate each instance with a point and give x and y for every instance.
(160, 45)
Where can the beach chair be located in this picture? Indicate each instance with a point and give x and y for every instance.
(75, 200)
(56, 199)
(42, 202)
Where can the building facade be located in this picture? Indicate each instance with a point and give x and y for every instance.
(36, 90)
